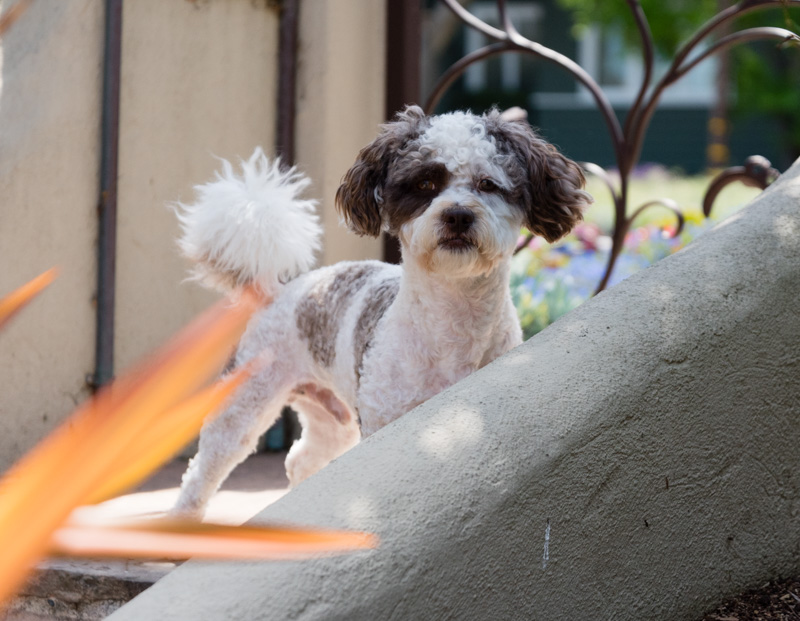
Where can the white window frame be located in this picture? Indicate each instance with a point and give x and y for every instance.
(475, 77)
(694, 90)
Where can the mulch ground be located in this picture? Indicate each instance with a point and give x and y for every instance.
(775, 601)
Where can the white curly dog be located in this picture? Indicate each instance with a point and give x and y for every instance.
(355, 345)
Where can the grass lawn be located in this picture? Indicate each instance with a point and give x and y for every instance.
(658, 182)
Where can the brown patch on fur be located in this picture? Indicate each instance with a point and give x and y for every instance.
(548, 187)
(319, 314)
(324, 398)
(425, 260)
(356, 199)
(403, 198)
(379, 299)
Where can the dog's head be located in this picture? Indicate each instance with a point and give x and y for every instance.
(456, 188)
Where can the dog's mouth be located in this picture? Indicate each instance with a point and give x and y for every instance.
(457, 243)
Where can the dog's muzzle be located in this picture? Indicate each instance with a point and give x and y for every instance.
(456, 225)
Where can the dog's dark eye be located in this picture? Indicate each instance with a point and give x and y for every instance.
(487, 185)
(426, 185)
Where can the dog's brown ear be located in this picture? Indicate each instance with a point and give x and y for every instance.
(551, 192)
(359, 197)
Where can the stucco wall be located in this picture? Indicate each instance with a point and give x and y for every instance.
(636, 460)
(49, 159)
(340, 104)
(199, 80)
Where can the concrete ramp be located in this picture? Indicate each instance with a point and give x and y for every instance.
(639, 459)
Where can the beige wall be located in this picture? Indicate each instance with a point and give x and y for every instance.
(49, 157)
(340, 104)
(199, 79)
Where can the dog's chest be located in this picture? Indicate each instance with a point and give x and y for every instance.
(425, 339)
(402, 372)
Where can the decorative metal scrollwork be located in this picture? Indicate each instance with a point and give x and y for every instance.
(627, 138)
(757, 172)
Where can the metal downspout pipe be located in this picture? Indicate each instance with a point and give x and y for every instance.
(107, 206)
(287, 80)
(284, 431)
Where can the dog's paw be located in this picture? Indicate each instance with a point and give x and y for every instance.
(187, 509)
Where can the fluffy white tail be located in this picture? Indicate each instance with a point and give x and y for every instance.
(250, 228)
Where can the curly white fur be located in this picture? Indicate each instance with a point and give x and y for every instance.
(355, 345)
(458, 139)
(251, 227)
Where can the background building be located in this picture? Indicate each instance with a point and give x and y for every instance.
(566, 112)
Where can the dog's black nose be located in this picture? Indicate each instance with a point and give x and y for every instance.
(458, 219)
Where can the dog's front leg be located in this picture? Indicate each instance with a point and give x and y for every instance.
(329, 430)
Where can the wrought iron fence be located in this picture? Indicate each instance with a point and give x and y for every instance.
(627, 137)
